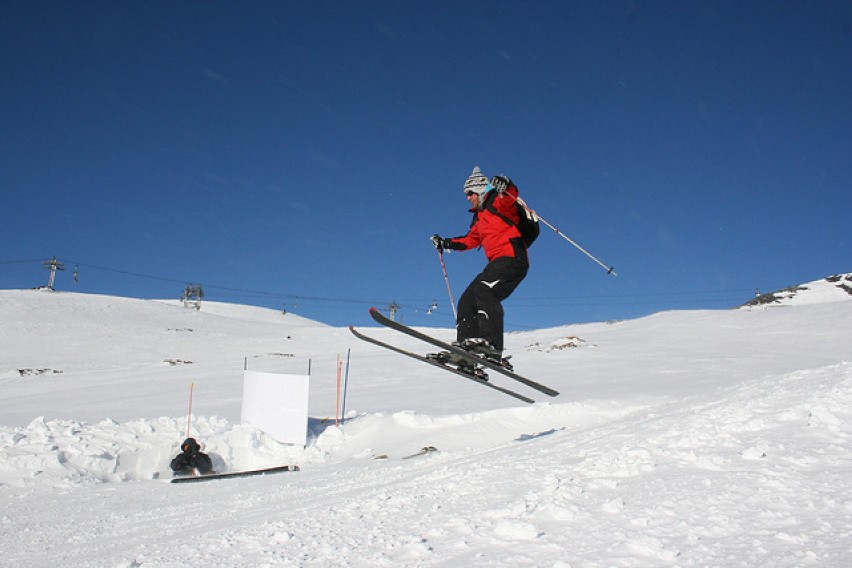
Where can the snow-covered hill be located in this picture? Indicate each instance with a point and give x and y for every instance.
(684, 438)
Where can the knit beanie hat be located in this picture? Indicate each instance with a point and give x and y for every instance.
(476, 183)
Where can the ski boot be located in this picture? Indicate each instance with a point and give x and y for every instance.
(483, 348)
(472, 369)
(445, 357)
(453, 360)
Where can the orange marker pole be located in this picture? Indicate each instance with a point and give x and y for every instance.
(189, 414)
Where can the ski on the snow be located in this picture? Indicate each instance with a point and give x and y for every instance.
(422, 452)
(234, 474)
(459, 352)
(482, 380)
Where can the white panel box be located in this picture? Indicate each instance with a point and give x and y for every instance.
(277, 404)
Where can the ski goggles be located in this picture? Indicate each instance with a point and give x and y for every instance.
(469, 192)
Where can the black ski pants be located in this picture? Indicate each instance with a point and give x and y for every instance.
(480, 312)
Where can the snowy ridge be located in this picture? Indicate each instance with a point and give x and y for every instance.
(63, 452)
(836, 288)
(684, 438)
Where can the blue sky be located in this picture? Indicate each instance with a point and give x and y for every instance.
(298, 155)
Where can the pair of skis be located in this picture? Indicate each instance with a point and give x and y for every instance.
(472, 359)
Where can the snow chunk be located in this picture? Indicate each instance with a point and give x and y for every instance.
(754, 453)
(613, 506)
(513, 529)
(822, 417)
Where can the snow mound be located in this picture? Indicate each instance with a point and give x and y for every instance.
(60, 453)
(567, 342)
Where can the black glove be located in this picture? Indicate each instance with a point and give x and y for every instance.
(501, 183)
(438, 242)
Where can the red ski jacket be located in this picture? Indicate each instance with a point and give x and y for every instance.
(489, 230)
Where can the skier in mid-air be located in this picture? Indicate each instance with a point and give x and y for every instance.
(479, 322)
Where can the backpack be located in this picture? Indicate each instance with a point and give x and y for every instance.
(527, 223)
(527, 220)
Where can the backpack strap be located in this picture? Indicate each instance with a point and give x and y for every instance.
(489, 206)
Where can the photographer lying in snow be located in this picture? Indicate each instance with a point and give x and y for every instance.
(191, 458)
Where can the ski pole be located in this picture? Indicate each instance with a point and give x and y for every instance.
(447, 280)
(609, 269)
(337, 405)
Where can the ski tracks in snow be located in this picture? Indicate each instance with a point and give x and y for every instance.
(758, 475)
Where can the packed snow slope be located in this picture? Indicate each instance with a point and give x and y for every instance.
(690, 438)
